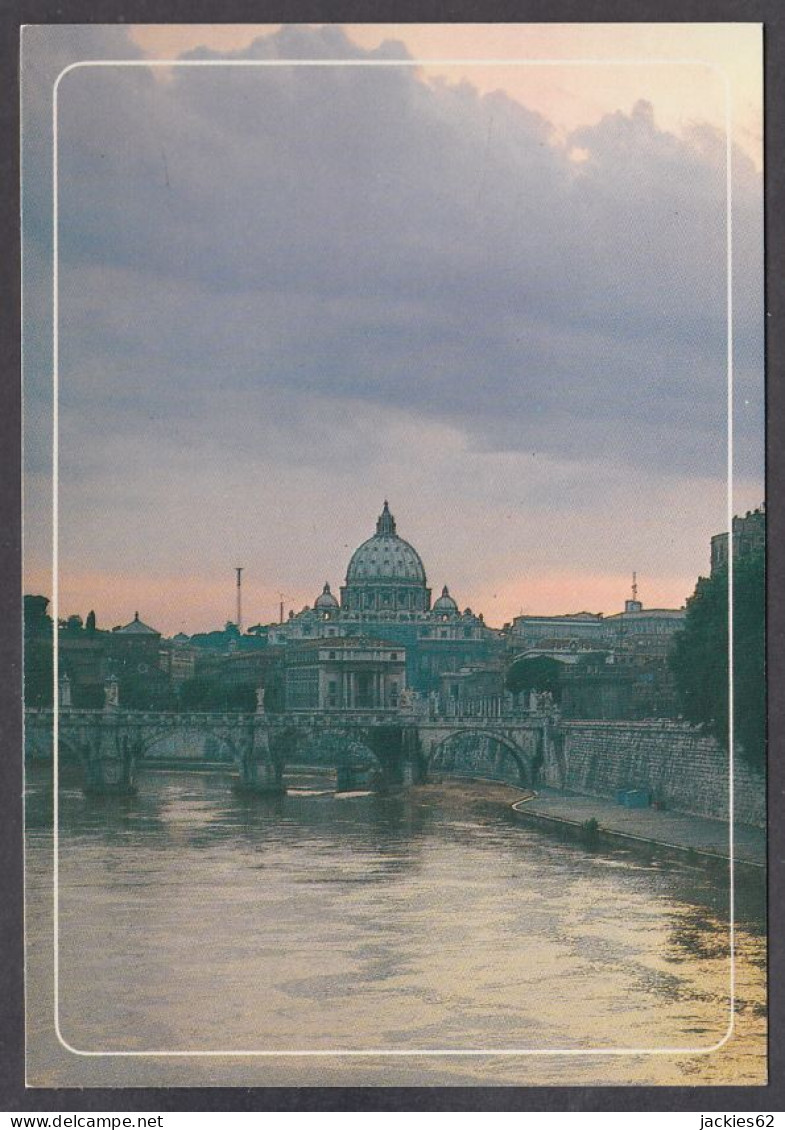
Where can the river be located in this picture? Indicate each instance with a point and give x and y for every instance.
(192, 920)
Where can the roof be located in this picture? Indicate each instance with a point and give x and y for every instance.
(650, 613)
(137, 627)
(337, 643)
(579, 617)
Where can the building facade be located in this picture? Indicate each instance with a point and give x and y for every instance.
(344, 674)
(749, 536)
(612, 667)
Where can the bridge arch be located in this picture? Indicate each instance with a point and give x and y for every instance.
(331, 748)
(521, 773)
(145, 739)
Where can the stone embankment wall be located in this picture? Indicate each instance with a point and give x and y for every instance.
(682, 768)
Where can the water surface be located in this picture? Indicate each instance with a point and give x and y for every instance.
(193, 920)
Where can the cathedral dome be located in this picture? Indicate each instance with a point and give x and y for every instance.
(386, 574)
(385, 557)
(445, 603)
(325, 600)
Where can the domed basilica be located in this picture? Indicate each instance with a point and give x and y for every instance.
(386, 598)
(386, 574)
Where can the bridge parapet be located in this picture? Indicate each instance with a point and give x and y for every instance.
(337, 718)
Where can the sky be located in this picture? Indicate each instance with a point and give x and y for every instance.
(493, 294)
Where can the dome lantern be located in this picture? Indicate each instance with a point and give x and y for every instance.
(385, 523)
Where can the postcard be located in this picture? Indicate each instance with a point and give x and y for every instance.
(394, 555)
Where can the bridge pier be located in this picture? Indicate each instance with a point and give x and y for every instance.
(414, 764)
(409, 774)
(109, 761)
(260, 772)
(349, 778)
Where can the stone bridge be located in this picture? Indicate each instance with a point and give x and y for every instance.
(386, 747)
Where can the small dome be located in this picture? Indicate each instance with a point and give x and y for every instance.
(445, 603)
(326, 600)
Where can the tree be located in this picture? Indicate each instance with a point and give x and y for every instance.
(196, 694)
(700, 657)
(204, 692)
(537, 673)
(38, 650)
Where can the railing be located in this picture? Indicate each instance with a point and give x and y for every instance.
(492, 709)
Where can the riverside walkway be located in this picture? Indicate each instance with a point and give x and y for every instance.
(675, 830)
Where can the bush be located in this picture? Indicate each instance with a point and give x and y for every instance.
(590, 832)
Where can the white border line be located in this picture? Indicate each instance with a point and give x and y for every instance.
(324, 63)
(731, 728)
(23, 432)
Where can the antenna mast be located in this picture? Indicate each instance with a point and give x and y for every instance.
(634, 586)
(239, 571)
(283, 596)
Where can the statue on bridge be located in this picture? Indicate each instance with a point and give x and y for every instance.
(111, 693)
(408, 701)
(65, 692)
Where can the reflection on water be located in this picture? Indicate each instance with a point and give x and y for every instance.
(192, 919)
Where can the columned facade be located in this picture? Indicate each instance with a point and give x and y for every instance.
(345, 674)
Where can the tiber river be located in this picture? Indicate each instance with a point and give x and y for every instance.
(193, 920)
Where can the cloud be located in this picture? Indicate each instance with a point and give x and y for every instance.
(268, 258)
